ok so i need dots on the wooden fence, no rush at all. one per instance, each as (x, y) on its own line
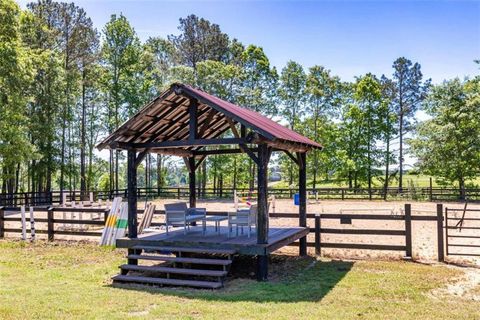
(462, 232)
(428, 193)
(404, 234)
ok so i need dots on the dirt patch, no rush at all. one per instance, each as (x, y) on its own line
(466, 287)
(424, 233)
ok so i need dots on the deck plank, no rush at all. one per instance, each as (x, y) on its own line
(278, 237)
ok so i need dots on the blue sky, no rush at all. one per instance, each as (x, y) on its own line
(348, 37)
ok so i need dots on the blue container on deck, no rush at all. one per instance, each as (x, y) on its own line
(296, 199)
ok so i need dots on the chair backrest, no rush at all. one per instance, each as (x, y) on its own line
(178, 206)
(175, 211)
(253, 211)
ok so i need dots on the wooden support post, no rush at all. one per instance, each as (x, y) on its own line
(317, 235)
(132, 194)
(440, 239)
(2, 222)
(302, 185)
(431, 189)
(262, 210)
(132, 261)
(192, 126)
(262, 214)
(262, 267)
(50, 224)
(408, 230)
(191, 182)
(105, 215)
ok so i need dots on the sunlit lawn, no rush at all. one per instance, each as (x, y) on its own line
(66, 280)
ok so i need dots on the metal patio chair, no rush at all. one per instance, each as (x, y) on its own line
(242, 218)
(178, 214)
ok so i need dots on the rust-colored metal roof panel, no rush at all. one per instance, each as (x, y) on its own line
(166, 118)
(274, 129)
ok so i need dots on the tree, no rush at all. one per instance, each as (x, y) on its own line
(368, 95)
(408, 91)
(323, 101)
(88, 58)
(47, 98)
(390, 118)
(447, 145)
(120, 54)
(199, 40)
(259, 82)
(16, 75)
(160, 56)
(293, 97)
(69, 34)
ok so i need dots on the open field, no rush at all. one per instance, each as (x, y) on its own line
(72, 280)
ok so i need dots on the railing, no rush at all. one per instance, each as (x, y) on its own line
(50, 220)
(431, 194)
(462, 232)
(404, 233)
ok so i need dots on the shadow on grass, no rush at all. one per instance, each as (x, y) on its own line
(291, 279)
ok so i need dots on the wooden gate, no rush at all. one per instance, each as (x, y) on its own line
(462, 232)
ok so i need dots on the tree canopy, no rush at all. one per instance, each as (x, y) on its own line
(64, 85)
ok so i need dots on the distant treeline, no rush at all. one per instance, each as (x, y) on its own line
(65, 84)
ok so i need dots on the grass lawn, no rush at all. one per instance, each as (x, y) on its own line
(71, 280)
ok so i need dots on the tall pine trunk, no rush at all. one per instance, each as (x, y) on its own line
(387, 168)
(400, 182)
(83, 176)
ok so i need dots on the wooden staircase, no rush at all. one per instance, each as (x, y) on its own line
(177, 266)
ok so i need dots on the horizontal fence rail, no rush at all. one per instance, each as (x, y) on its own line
(462, 232)
(405, 232)
(432, 194)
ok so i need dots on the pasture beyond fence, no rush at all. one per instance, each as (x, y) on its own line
(51, 223)
(426, 193)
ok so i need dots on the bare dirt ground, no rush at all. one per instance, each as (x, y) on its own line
(424, 233)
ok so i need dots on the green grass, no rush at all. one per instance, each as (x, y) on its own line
(68, 281)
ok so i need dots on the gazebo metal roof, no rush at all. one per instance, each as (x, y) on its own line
(163, 126)
(182, 121)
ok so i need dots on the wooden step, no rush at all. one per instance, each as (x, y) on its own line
(219, 262)
(186, 249)
(193, 272)
(171, 282)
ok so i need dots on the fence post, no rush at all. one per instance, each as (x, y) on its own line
(2, 222)
(408, 230)
(105, 216)
(343, 194)
(317, 234)
(50, 224)
(431, 190)
(178, 193)
(441, 253)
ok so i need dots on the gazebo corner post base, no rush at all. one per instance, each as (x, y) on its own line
(302, 186)
(262, 267)
(303, 247)
(130, 252)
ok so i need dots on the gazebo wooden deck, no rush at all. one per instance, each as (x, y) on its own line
(277, 237)
(193, 124)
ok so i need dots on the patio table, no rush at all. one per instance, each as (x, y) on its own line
(217, 220)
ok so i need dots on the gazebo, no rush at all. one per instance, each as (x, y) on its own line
(184, 121)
